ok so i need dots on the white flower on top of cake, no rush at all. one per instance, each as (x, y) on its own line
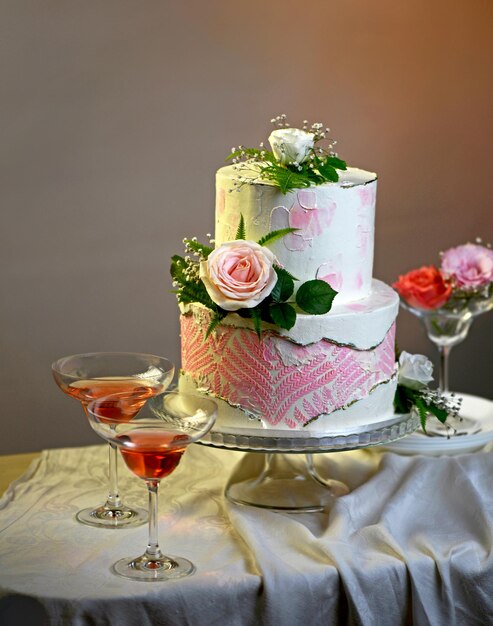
(415, 370)
(296, 159)
(291, 146)
(239, 274)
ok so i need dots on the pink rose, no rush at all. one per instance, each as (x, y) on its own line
(239, 274)
(469, 265)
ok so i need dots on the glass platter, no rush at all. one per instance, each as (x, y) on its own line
(278, 481)
(253, 440)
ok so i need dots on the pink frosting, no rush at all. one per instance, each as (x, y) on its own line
(364, 239)
(358, 281)
(280, 381)
(367, 196)
(220, 202)
(306, 216)
(330, 274)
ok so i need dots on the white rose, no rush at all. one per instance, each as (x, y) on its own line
(291, 145)
(239, 274)
(415, 370)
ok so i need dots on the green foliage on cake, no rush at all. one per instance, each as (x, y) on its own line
(242, 276)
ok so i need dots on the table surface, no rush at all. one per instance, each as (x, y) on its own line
(14, 465)
(411, 543)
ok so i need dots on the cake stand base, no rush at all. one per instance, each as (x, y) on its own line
(286, 478)
(288, 484)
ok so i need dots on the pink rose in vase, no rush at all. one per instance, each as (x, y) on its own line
(469, 265)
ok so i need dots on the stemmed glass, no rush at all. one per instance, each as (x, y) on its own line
(93, 375)
(446, 327)
(152, 443)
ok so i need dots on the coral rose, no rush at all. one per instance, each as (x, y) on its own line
(239, 274)
(470, 265)
(424, 288)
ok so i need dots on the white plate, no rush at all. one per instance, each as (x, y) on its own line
(475, 407)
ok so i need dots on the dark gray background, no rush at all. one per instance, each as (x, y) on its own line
(116, 114)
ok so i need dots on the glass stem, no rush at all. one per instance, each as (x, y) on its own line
(443, 380)
(113, 500)
(153, 551)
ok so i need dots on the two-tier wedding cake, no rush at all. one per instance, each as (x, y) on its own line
(281, 319)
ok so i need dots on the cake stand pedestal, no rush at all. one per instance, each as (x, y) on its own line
(286, 478)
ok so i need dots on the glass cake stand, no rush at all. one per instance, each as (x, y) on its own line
(283, 480)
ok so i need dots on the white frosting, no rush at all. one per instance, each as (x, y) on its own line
(361, 324)
(335, 223)
(375, 407)
(334, 242)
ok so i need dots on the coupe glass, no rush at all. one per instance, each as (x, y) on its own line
(446, 327)
(152, 443)
(93, 375)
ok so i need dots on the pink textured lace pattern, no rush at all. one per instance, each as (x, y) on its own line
(276, 379)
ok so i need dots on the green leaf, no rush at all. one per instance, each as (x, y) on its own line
(315, 177)
(218, 316)
(274, 235)
(401, 401)
(315, 297)
(255, 315)
(328, 172)
(422, 411)
(284, 287)
(178, 266)
(285, 271)
(283, 314)
(287, 179)
(337, 163)
(199, 248)
(195, 292)
(406, 398)
(240, 233)
(440, 414)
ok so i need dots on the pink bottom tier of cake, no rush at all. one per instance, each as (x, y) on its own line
(284, 385)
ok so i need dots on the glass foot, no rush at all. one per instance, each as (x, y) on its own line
(146, 569)
(287, 485)
(112, 517)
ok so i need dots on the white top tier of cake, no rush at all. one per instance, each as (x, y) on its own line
(335, 222)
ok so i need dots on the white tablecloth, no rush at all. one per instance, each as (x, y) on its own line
(411, 543)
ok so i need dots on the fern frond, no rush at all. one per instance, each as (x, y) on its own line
(274, 235)
(240, 233)
(213, 323)
(255, 315)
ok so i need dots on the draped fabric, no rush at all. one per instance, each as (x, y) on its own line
(410, 544)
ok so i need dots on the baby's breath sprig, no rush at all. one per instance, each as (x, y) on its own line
(185, 273)
(287, 166)
(427, 402)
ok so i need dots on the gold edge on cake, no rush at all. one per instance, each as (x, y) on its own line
(392, 379)
(249, 172)
(270, 330)
(335, 418)
(375, 314)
